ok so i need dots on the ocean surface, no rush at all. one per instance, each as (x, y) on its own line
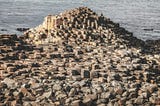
(142, 17)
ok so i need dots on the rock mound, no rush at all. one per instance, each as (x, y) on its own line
(83, 24)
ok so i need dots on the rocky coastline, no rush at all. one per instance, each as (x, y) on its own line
(78, 58)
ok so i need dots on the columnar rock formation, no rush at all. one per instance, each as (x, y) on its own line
(80, 59)
(80, 20)
(52, 22)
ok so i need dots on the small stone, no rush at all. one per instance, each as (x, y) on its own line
(117, 77)
(57, 87)
(92, 96)
(77, 78)
(24, 90)
(95, 74)
(86, 73)
(75, 72)
(77, 103)
(15, 93)
(9, 82)
(86, 90)
(61, 96)
(72, 92)
(26, 104)
(106, 95)
(87, 101)
(153, 88)
(139, 101)
(154, 100)
(57, 103)
(116, 104)
(11, 69)
(47, 94)
(101, 104)
(14, 103)
(99, 101)
(132, 90)
(122, 101)
(35, 65)
(110, 104)
(145, 94)
(133, 95)
(69, 100)
(52, 56)
(157, 101)
(119, 91)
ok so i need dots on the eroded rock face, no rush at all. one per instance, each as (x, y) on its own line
(86, 60)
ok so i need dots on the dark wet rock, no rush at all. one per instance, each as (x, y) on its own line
(75, 72)
(35, 65)
(3, 29)
(86, 74)
(22, 29)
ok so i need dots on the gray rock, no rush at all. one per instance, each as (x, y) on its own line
(61, 96)
(87, 101)
(72, 92)
(139, 101)
(106, 95)
(116, 104)
(86, 90)
(129, 103)
(133, 95)
(92, 96)
(100, 101)
(57, 87)
(145, 94)
(69, 100)
(110, 104)
(27, 104)
(47, 94)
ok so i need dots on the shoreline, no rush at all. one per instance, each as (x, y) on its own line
(86, 60)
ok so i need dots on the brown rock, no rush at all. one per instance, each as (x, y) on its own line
(11, 69)
(9, 82)
(92, 96)
(77, 103)
(157, 101)
(87, 101)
